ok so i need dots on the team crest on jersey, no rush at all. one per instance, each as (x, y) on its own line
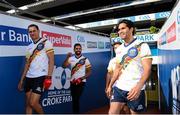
(132, 52)
(82, 61)
(40, 46)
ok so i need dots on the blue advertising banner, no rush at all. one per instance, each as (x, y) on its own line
(14, 36)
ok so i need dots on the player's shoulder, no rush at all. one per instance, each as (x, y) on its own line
(31, 45)
(45, 40)
(113, 60)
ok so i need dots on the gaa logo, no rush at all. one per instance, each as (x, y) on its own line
(60, 78)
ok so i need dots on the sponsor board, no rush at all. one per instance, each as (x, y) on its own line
(14, 36)
(147, 37)
(101, 45)
(171, 33)
(107, 45)
(58, 40)
(81, 39)
(91, 44)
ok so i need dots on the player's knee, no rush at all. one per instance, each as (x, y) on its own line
(33, 104)
(111, 111)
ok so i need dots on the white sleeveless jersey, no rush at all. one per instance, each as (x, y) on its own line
(39, 65)
(78, 66)
(130, 57)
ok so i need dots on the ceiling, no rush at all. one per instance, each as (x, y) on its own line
(63, 7)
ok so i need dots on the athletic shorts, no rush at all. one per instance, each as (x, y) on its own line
(34, 84)
(137, 105)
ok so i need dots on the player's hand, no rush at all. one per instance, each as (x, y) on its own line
(69, 54)
(78, 81)
(109, 92)
(20, 86)
(105, 89)
(134, 93)
(73, 81)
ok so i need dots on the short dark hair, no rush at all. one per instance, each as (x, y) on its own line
(33, 25)
(129, 24)
(77, 44)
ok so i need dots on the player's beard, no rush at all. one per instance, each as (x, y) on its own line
(78, 53)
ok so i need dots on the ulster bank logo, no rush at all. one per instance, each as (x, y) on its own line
(60, 78)
(14, 36)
